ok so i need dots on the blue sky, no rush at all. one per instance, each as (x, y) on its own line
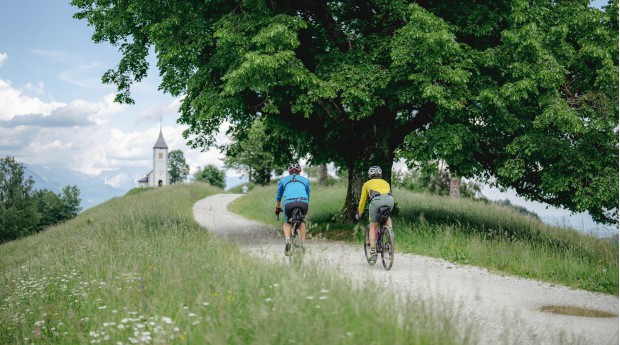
(54, 110)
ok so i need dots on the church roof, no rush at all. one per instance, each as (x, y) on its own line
(161, 143)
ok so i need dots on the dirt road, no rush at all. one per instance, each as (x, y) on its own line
(507, 309)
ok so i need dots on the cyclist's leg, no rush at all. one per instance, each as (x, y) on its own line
(389, 201)
(286, 228)
(372, 234)
(373, 217)
(302, 227)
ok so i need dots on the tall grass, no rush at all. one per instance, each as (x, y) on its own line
(467, 232)
(139, 270)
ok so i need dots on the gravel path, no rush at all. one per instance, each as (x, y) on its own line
(505, 308)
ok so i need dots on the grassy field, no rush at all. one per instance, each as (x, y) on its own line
(138, 270)
(466, 232)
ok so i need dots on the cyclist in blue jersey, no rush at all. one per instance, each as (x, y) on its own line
(293, 191)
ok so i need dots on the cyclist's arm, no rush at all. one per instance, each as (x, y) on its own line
(363, 199)
(280, 192)
(308, 190)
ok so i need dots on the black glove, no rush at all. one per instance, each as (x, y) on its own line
(278, 210)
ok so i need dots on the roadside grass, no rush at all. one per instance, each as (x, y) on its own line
(139, 270)
(464, 231)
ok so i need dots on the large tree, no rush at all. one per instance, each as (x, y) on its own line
(523, 93)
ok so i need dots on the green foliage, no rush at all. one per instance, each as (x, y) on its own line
(23, 210)
(211, 175)
(71, 199)
(18, 212)
(55, 208)
(521, 94)
(433, 181)
(178, 169)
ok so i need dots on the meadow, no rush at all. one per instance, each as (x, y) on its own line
(464, 231)
(139, 270)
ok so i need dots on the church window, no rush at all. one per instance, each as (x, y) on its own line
(161, 155)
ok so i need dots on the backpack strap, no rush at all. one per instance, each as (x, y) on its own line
(292, 180)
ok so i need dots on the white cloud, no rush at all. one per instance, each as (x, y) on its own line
(14, 102)
(39, 87)
(90, 137)
(3, 58)
(155, 113)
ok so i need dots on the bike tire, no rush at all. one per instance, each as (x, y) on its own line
(387, 248)
(295, 259)
(367, 246)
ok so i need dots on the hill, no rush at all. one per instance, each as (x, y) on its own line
(138, 269)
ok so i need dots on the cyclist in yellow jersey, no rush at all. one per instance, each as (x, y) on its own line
(379, 193)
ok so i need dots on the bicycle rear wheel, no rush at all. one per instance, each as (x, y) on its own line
(296, 257)
(387, 246)
(367, 246)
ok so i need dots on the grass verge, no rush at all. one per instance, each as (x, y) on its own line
(466, 232)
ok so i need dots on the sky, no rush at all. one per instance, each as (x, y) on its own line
(55, 111)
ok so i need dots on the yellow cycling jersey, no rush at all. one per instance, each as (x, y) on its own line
(372, 188)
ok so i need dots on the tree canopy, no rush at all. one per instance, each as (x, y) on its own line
(211, 175)
(24, 210)
(250, 154)
(178, 169)
(521, 93)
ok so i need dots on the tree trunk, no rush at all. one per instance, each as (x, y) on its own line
(323, 174)
(376, 149)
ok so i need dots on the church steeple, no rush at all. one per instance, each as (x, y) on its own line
(161, 143)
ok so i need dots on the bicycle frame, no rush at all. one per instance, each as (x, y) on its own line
(384, 240)
(297, 217)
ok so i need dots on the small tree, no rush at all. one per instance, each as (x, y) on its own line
(71, 201)
(247, 155)
(178, 168)
(50, 207)
(55, 208)
(18, 213)
(212, 175)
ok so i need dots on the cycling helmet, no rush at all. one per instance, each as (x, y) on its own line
(374, 171)
(294, 168)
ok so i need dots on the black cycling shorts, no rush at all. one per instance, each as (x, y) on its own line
(288, 208)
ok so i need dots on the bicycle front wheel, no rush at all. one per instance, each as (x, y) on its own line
(387, 246)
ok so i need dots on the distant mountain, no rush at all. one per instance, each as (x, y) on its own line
(123, 178)
(93, 189)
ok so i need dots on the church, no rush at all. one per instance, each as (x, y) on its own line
(158, 177)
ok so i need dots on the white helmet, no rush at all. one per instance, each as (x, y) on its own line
(374, 171)
(294, 168)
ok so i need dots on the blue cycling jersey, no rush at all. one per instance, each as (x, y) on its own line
(293, 187)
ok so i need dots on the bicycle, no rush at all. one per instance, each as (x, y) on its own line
(296, 251)
(384, 239)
